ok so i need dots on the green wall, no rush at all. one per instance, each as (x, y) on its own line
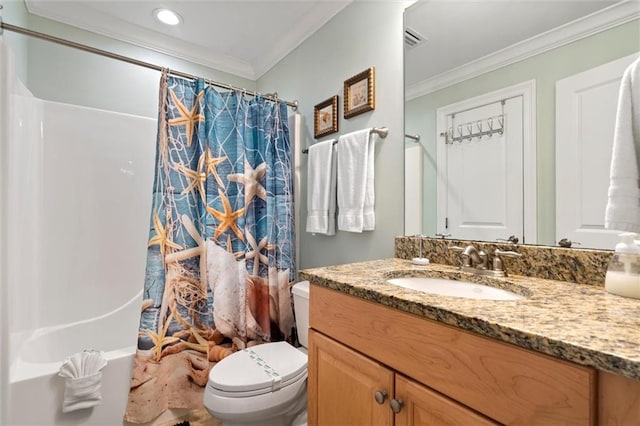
(363, 34)
(546, 69)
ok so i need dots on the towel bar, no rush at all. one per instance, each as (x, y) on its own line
(380, 131)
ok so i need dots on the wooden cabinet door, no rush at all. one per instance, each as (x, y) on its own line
(425, 407)
(618, 400)
(342, 386)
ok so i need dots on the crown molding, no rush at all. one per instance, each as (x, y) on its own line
(76, 15)
(594, 23)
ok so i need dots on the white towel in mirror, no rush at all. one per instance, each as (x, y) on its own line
(623, 205)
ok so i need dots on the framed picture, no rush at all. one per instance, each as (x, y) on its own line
(360, 93)
(325, 117)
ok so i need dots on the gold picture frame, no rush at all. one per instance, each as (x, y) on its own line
(360, 93)
(325, 117)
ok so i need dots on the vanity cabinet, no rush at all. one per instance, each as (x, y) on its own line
(443, 374)
(348, 388)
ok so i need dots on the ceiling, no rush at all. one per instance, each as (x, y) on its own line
(241, 37)
(248, 37)
(459, 32)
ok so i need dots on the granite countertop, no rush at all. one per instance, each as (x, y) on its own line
(576, 322)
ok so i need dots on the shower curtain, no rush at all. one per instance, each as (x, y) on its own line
(221, 250)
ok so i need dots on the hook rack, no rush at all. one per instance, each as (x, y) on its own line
(466, 131)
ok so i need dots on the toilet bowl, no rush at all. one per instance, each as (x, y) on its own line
(266, 384)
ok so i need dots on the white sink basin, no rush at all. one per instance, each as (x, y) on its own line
(452, 288)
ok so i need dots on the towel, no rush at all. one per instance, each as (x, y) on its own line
(623, 204)
(82, 374)
(321, 188)
(356, 195)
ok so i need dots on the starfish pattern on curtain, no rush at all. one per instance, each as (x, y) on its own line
(221, 245)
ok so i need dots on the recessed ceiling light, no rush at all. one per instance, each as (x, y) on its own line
(167, 16)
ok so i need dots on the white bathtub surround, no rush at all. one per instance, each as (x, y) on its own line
(48, 390)
(78, 242)
(34, 373)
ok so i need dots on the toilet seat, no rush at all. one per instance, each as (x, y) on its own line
(258, 370)
(264, 382)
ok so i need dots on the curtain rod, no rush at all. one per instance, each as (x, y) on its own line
(47, 37)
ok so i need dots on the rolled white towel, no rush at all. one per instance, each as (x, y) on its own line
(68, 369)
(82, 374)
(82, 392)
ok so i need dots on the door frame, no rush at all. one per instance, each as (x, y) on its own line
(527, 90)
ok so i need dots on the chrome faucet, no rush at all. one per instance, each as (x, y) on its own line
(472, 257)
(476, 261)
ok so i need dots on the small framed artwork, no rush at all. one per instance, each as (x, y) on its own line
(360, 93)
(325, 117)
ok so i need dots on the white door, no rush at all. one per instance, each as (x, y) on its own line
(413, 189)
(586, 106)
(480, 189)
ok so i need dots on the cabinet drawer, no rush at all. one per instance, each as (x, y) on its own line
(504, 382)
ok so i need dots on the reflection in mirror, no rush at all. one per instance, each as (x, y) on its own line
(515, 104)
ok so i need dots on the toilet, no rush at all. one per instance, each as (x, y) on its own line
(265, 384)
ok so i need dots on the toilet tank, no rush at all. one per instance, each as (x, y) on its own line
(301, 305)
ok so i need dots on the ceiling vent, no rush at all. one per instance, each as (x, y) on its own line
(412, 38)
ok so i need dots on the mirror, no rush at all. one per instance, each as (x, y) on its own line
(461, 55)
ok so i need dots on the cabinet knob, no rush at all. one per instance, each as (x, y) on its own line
(380, 396)
(396, 405)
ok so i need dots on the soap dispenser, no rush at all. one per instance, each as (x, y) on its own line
(623, 273)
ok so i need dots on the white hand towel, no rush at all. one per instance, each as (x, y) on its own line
(368, 211)
(82, 374)
(321, 188)
(82, 392)
(356, 182)
(623, 205)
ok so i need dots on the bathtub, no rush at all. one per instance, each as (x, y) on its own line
(36, 390)
(79, 191)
